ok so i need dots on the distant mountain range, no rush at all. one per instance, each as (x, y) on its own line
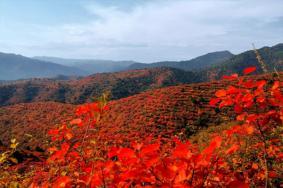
(13, 67)
(76, 90)
(215, 64)
(91, 66)
(198, 63)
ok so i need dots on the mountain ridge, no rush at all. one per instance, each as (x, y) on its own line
(91, 66)
(13, 67)
(271, 56)
(200, 62)
(78, 91)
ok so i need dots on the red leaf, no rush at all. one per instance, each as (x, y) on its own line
(137, 146)
(126, 153)
(231, 77)
(182, 151)
(215, 143)
(53, 132)
(272, 174)
(213, 102)
(249, 84)
(62, 182)
(227, 102)
(241, 117)
(113, 152)
(238, 109)
(249, 70)
(249, 129)
(76, 122)
(238, 184)
(255, 166)
(150, 149)
(275, 85)
(232, 149)
(232, 90)
(60, 154)
(260, 84)
(220, 93)
(217, 140)
(248, 98)
(96, 181)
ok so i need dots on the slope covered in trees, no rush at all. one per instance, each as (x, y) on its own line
(272, 57)
(120, 84)
(177, 110)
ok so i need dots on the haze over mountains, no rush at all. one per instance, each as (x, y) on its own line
(97, 66)
(13, 67)
(197, 63)
(91, 66)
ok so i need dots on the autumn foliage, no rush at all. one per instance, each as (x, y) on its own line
(247, 154)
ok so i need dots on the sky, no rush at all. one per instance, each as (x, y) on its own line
(139, 30)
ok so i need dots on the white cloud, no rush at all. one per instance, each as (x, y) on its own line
(165, 29)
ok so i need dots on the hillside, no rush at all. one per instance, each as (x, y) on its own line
(197, 63)
(158, 111)
(13, 67)
(90, 66)
(29, 123)
(176, 110)
(272, 57)
(120, 84)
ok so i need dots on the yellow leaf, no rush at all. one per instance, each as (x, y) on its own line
(13, 140)
(14, 160)
(14, 145)
(28, 135)
(93, 142)
(69, 136)
(3, 157)
(14, 184)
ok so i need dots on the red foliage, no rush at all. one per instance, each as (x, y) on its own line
(227, 161)
(249, 70)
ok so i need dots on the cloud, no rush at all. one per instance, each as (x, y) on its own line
(166, 30)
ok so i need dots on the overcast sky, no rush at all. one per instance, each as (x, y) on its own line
(140, 30)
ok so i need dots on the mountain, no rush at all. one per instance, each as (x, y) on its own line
(13, 67)
(272, 57)
(77, 91)
(91, 66)
(200, 62)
